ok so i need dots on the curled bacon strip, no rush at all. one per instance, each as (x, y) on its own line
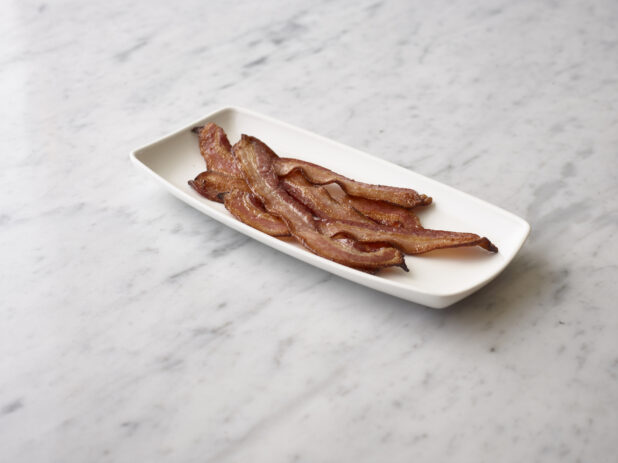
(224, 183)
(234, 193)
(319, 175)
(257, 164)
(216, 149)
(379, 211)
(248, 209)
(416, 241)
(319, 200)
(212, 184)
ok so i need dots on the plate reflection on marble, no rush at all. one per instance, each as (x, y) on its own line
(437, 279)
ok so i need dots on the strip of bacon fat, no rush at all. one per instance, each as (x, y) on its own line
(257, 164)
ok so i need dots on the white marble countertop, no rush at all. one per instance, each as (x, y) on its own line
(134, 328)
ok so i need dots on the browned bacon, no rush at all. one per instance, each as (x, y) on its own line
(410, 241)
(234, 193)
(319, 175)
(257, 164)
(360, 225)
(319, 200)
(212, 184)
(217, 152)
(247, 208)
(216, 149)
(379, 211)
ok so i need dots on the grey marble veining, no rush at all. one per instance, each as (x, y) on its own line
(136, 329)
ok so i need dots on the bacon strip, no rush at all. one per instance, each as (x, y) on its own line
(247, 208)
(417, 241)
(257, 164)
(234, 193)
(217, 152)
(379, 211)
(212, 184)
(216, 149)
(355, 224)
(319, 175)
(319, 200)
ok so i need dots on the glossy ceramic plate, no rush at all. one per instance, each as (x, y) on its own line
(437, 279)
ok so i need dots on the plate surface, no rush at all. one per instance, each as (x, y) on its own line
(437, 279)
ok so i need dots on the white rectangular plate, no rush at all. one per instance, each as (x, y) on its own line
(437, 279)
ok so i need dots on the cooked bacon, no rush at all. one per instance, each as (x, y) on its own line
(319, 200)
(248, 209)
(257, 164)
(338, 205)
(379, 211)
(234, 193)
(363, 226)
(216, 149)
(416, 241)
(217, 152)
(348, 242)
(319, 175)
(212, 185)
(334, 204)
